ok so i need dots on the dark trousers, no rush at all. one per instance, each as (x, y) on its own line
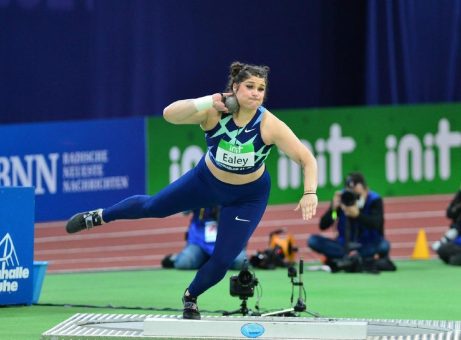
(335, 250)
(242, 207)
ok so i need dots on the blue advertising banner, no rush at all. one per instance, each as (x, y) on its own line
(74, 166)
(16, 245)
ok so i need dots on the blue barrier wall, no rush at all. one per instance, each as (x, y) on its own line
(16, 245)
(74, 166)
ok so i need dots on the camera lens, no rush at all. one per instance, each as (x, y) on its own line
(245, 278)
(292, 271)
(348, 198)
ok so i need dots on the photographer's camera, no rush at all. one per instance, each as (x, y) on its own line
(349, 198)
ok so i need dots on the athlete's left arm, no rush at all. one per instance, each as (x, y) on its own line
(274, 131)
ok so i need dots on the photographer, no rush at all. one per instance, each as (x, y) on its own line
(359, 214)
(201, 238)
(449, 246)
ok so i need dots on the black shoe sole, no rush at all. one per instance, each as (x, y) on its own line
(75, 224)
(191, 315)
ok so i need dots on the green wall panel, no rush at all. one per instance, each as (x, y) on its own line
(402, 150)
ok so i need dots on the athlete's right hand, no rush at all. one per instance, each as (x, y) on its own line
(218, 102)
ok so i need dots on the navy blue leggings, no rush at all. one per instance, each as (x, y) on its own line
(333, 249)
(242, 207)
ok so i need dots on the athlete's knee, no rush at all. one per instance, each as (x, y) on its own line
(220, 264)
(153, 208)
(138, 201)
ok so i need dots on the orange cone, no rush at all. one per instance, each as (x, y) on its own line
(421, 250)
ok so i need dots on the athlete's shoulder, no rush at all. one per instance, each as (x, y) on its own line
(271, 126)
(263, 110)
(265, 113)
(270, 120)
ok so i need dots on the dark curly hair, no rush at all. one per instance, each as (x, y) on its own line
(240, 72)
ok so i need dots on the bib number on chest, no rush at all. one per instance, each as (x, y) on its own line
(235, 156)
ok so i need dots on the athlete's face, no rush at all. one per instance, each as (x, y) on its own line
(250, 93)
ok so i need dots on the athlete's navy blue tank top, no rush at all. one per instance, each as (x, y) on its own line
(239, 150)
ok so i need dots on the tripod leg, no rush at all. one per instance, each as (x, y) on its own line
(237, 311)
(243, 310)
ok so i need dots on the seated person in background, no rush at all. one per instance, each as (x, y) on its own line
(449, 246)
(201, 238)
(360, 244)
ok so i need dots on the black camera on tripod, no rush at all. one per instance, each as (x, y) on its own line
(292, 272)
(349, 197)
(243, 285)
